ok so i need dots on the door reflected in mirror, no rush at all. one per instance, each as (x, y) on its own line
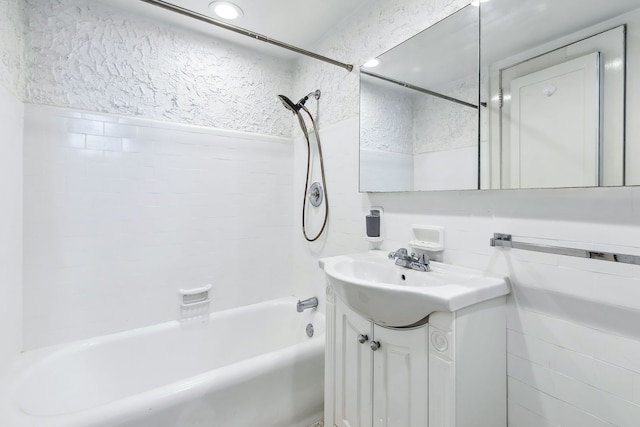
(419, 111)
(554, 84)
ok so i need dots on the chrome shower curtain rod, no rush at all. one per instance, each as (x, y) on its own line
(418, 89)
(191, 14)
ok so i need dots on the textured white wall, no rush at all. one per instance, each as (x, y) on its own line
(386, 117)
(440, 125)
(120, 213)
(439, 137)
(573, 347)
(400, 120)
(372, 30)
(11, 46)
(83, 54)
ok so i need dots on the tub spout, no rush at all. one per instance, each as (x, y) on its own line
(308, 303)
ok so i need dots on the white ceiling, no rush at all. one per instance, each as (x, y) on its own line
(301, 23)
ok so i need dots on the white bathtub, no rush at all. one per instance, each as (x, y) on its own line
(251, 366)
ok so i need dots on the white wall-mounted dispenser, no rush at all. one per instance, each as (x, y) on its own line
(373, 225)
(428, 238)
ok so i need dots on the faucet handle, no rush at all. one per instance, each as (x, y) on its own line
(422, 258)
(400, 253)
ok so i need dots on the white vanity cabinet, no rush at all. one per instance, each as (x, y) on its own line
(380, 374)
(352, 369)
(449, 372)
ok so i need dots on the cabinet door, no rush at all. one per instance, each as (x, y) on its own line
(353, 365)
(400, 378)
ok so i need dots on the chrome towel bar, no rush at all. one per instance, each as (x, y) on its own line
(505, 241)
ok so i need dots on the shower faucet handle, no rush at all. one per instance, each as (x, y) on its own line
(422, 258)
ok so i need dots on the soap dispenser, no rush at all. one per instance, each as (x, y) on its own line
(373, 225)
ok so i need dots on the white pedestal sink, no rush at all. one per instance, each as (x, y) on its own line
(394, 296)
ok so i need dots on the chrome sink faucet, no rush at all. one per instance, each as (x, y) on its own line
(308, 303)
(413, 261)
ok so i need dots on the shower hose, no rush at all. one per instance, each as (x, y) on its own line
(306, 186)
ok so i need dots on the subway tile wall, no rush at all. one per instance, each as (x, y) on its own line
(573, 341)
(11, 113)
(120, 213)
(572, 327)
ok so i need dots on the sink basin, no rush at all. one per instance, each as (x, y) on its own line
(390, 295)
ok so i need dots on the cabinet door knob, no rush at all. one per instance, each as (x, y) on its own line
(374, 345)
(362, 338)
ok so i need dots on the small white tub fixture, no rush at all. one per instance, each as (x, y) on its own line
(249, 366)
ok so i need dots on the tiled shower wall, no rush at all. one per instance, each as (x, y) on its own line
(11, 113)
(573, 341)
(123, 210)
(121, 213)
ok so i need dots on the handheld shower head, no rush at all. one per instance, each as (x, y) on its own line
(294, 108)
(288, 104)
(315, 196)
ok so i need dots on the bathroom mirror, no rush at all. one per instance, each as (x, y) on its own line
(419, 118)
(558, 79)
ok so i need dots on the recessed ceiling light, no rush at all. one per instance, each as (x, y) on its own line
(477, 2)
(225, 10)
(374, 62)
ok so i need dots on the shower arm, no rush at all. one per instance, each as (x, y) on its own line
(194, 15)
(316, 95)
